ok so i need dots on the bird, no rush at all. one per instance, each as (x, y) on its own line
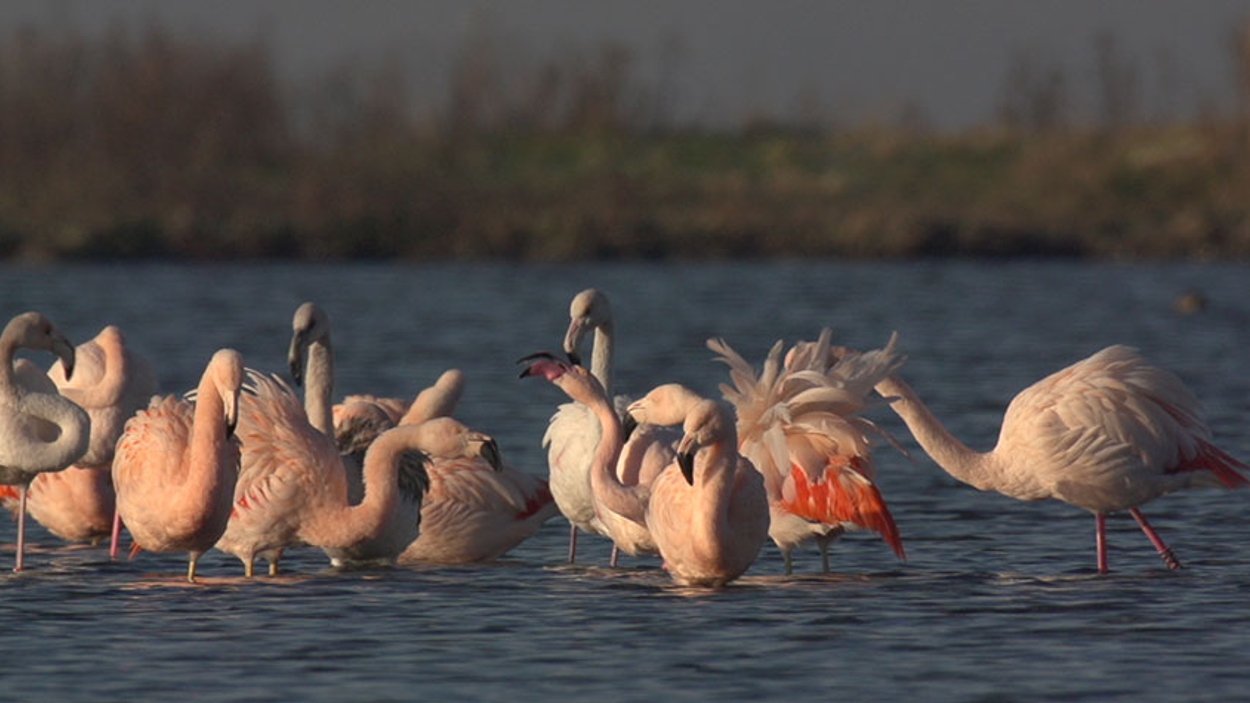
(574, 431)
(111, 381)
(40, 430)
(709, 512)
(477, 507)
(1108, 433)
(177, 462)
(719, 551)
(293, 484)
(798, 422)
(310, 357)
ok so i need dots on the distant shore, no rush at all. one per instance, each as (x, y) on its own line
(163, 148)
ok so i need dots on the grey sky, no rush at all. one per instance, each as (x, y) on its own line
(863, 60)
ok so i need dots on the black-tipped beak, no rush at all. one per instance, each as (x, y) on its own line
(536, 356)
(295, 358)
(65, 351)
(628, 425)
(685, 461)
(490, 452)
(574, 358)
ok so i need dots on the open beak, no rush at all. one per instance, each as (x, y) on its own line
(543, 364)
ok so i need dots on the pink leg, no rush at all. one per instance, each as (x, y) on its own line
(21, 530)
(115, 540)
(572, 543)
(1100, 539)
(1164, 551)
(616, 553)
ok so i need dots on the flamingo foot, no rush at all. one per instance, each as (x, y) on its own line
(1165, 552)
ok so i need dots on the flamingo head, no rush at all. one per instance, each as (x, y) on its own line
(588, 311)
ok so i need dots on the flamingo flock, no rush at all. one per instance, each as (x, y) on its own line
(244, 465)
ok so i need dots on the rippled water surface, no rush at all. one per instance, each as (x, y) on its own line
(997, 601)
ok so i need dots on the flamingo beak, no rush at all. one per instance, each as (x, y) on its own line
(295, 355)
(628, 424)
(685, 462)
(63, 349)
(490, 452)
(232, 413)
(543, 364)
(573, 339)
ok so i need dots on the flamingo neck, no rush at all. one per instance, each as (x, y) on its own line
(628, 501)
(601, 356)
(319, 386)
(340, 525)
(956, 458)
(208, 467)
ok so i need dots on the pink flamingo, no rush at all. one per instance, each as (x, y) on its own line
(573, 435)
(111, 382)
(709, 518)
(477, 507)
(177, 462)
(310, 357)
(798, 423)
(709, 531)
(40, 430)
(1108, 433)
(293, 485)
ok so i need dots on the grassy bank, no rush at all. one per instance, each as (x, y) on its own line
(150, 147)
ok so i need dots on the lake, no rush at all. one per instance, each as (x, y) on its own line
(997, 601)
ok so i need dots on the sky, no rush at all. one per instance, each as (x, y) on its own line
(859, 61)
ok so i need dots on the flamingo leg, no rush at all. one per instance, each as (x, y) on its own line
(1100, 540)
(191, 567)
(572, 542)
(21, 530)
(616, 554)
(116, 536)
(789, 562)
(824, 557)
(1165, 552)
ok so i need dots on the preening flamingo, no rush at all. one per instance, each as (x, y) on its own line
(1108, 433)
(177, 462)
(478, 507)
(293, 485)
(310, 357)
(40, 430)
(709, 514)
(111, 382)
(798, 422)
(574, 432)
(722, 492)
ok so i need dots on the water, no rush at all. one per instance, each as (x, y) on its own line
(996, 602)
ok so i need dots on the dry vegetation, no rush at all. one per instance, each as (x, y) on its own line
(155, 145)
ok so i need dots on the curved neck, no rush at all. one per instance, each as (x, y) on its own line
(207, 468)
(955, 457)
(340, 525)
(601, 357)
(72, 432)
(319, 386)
(628, 501)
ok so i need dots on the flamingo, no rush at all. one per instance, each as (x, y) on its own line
(177, 463)
(797, 422)
(574, 432)
(40, 430)
(293, 485)
(111, 382)
(1108, 433)
(708, 532)
(478, 507)
(310, 357)
(709, 515)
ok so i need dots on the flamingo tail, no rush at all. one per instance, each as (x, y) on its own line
(844, 497)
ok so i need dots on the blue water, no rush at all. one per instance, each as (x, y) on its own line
(997, 601)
